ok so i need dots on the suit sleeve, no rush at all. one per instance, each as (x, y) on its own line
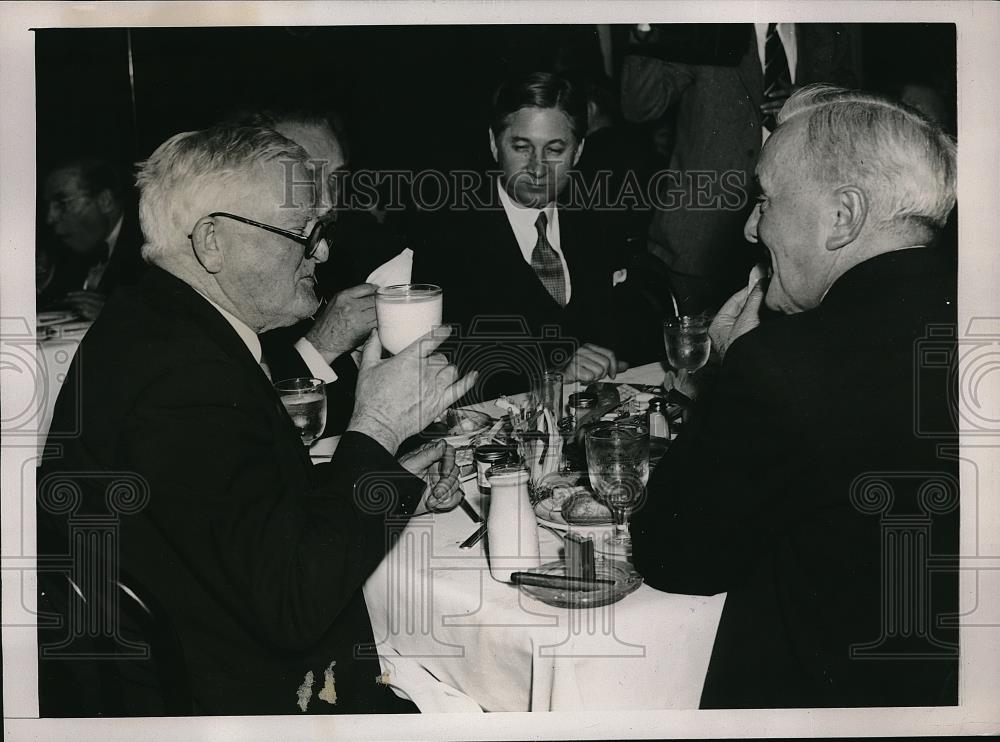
(711, 503)
(234, 497)
(650, 86)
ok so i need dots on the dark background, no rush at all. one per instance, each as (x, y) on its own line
(414, 97)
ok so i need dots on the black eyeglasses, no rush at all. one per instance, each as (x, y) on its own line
(321, 231)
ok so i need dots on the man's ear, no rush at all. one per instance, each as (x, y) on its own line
(493, 145)
(206, 247)
(105, 201)
(850, 212)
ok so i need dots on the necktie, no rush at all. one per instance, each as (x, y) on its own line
(547, 265)
(97, 262)
(776, 74)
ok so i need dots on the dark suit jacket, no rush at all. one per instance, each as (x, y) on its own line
(718, 132)
(509, 325)
(258, 555)
(775, 495)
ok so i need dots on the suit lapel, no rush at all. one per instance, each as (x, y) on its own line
(179, 297)
(508, 260)
(226, 337)
(748, 69)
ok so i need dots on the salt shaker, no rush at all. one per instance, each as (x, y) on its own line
(657, 414)
(510, 525)
(659, 430)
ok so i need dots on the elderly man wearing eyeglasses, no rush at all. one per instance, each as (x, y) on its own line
(256, 555)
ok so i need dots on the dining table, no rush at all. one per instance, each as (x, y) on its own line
(55, 347)
(452, 638)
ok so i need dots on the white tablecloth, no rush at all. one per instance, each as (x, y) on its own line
(436, 606)
(53, 356)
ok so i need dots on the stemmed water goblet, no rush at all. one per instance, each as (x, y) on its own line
(618, 465)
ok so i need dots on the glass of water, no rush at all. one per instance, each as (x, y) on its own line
(305, 402)
(687, 341)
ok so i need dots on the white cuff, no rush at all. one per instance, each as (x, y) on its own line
(318, 366)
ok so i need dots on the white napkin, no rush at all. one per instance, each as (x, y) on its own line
(394, 272)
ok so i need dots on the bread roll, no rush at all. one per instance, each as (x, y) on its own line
(583, 507)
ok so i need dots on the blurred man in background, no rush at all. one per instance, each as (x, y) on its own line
(98, 240)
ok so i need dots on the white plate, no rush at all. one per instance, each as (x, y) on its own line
(437, 429)
(550, 516)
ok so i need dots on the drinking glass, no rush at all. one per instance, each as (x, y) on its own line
(406, 312)
(547, 391)
(618, 464)
(687, 341)
(305, 402)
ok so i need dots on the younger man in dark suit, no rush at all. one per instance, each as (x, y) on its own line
(520, 270)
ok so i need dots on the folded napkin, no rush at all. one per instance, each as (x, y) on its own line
(394, 272)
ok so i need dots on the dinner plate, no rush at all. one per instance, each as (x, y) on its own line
(549, 515)
(46, 319)
(626, 581)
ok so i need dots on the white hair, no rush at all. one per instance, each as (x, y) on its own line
(905, 162)
(193, 173)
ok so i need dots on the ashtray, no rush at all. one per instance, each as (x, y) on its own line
(625, 580)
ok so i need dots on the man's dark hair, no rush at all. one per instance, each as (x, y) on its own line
(96, 173)
(539, 90)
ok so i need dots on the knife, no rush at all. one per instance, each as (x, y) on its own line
(470, 511)
(474, 538)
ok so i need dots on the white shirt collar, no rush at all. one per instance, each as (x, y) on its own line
(247, 335)
(522, 220)
(112, 238)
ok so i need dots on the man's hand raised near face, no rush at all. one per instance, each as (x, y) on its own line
(344, 322)
(739, 315)
(402, 395)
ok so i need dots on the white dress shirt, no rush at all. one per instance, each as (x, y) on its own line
(522, 221)
(318, 367)
(96, 271)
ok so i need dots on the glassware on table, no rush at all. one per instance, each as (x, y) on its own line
(547, 391)
(618, 464)
(305, 401)
(406, 312)
(687, 342)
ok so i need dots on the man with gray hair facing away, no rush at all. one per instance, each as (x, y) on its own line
(257, 556)
(816, 487)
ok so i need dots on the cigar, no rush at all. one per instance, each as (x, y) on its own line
(559, 582)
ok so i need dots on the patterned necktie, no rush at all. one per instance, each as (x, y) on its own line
(776, 74)
(546, 263)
